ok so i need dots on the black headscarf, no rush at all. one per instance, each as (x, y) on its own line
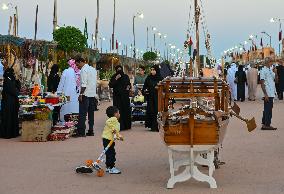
(54, 69)
(240, 68)
(9, 73)
(158, 73)
(119, 71)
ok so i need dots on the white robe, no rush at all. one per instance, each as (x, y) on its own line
(67, 85)
(231, 78)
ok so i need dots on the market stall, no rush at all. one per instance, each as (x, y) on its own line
(37, 121)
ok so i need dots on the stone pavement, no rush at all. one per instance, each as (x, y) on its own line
(254, 162)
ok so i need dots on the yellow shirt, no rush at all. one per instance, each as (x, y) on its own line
(139, 99)
(111, 124)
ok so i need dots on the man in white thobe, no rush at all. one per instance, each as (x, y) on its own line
(67, 85)
(252, 78)
(231, 80)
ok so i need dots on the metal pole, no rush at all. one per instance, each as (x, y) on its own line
(197, 14)
(147, 38)
(280, 31)
(113, 25)
(154, 41)
(97, 24)
(134, 44)
(101, 45)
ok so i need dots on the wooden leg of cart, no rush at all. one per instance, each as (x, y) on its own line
(191, 170)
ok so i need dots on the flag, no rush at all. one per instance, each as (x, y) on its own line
(280, 35)
(36, 22)
(261, 43)
(190, 43)
(116, 45)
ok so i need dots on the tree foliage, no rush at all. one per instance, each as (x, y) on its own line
(150, 56)
(70, 39)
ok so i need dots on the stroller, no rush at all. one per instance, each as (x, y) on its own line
(138, 106)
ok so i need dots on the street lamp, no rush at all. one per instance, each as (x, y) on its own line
(9, 6)
(6, 6)
(141, 16)
(268, 36)
(273, 20)
(102, 39)
(154, 32)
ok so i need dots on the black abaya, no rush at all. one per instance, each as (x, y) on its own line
(10, 106)
(121, 99)
(151, 94)
(241, 84)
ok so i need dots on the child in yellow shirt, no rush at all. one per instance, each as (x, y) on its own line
(112, 126)
(139, 99)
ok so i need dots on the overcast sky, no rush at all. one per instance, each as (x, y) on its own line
(230, 22)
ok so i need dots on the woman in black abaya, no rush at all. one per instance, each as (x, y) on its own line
(241, 80)
(120, 83)
(10, 105)
(52, 85)
(151, 94)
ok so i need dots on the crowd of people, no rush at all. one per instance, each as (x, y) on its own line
(79, 83)
(243, 81)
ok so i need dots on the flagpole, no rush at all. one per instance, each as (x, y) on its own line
(113, 24)
(36, 23)
(197, 14)
(97, 23)
(55, 16)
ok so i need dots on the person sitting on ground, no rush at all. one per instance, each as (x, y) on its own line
(139, 98)
(112, 125)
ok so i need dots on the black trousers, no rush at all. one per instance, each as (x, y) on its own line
(86, 106)
(110, 154)
(267, 113)
(279, 91)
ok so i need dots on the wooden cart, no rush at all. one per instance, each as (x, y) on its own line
(197, 128)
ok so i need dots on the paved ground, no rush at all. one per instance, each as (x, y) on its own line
(254, 162)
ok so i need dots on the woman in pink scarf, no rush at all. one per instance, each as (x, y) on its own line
(69, 85)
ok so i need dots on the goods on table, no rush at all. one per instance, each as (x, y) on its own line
(62, 132)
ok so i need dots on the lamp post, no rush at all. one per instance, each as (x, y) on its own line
(268, 36)
(7, 7)
(154, 29)
(273, 20)
(101, 39)
(113, 25)
(139, 15)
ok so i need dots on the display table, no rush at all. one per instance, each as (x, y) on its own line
(193, 158)
(53, 105)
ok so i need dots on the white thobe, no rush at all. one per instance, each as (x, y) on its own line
(231, 80)
(67, 85)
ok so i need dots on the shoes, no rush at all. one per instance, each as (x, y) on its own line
(113, 170)
(84, 170)
(90, 133)
(78, 135)
(268, 128)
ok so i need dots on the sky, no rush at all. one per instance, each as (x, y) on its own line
(229, 22)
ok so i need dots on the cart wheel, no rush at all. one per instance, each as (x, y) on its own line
(100, 173)
(89, 163)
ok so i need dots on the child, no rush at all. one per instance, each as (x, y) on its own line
(112, 126)
(139, 99)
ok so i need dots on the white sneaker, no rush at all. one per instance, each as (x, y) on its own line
(114, 171)
(107, 169)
